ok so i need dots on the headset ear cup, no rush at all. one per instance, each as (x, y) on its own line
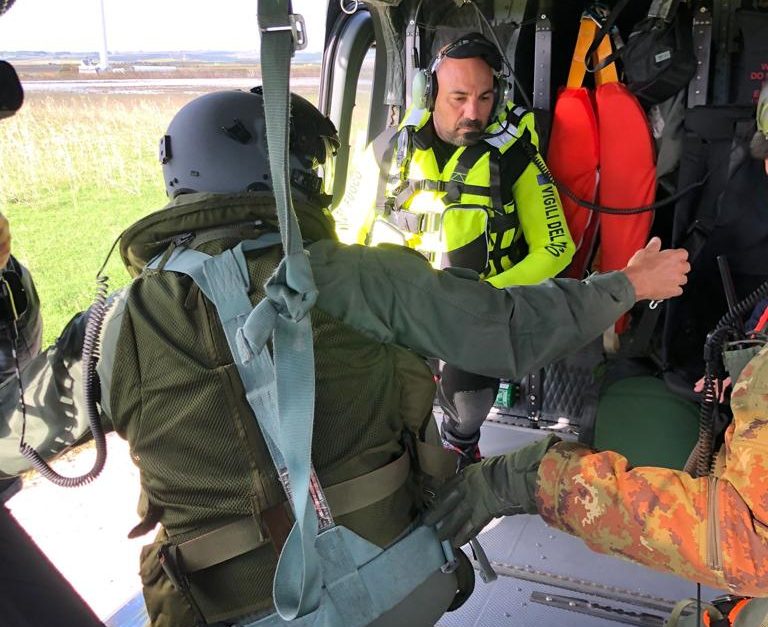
(499, 91)
(431, 91)
(420, 89)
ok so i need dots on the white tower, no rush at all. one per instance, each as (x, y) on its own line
(103, 60)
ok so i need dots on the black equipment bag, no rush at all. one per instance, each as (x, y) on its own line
(658, 57)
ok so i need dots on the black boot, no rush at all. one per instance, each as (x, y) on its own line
(466, 446)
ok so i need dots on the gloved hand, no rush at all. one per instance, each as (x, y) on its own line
(497, 486)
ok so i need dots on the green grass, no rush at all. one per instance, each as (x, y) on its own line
(64, 240)
(74, 172)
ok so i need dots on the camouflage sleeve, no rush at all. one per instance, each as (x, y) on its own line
(712, 529)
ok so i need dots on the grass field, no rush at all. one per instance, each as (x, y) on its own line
(75, 171)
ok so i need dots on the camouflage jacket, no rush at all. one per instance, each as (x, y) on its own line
(713, 530)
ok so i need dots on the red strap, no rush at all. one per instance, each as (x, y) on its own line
(762, 322)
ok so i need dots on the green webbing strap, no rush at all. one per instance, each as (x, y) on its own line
(245, 535)
(290, 294)
(355, 494)
(684, 604)
(222, 544)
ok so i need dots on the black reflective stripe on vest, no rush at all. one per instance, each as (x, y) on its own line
(513, 163)
(467, 160)
(507, 167)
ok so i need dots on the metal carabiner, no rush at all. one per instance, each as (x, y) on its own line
(355, 5)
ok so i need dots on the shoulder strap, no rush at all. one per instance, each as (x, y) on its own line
(383, 146)
(702, 44)
(512, 164)
(268, 385)
(290, 294)
(511, 12)
(663, 9)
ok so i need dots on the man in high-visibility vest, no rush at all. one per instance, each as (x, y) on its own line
(459, 182)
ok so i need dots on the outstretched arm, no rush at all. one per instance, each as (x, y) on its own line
(394, 296)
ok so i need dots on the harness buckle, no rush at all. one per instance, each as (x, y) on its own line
(453, 190)
(295, 24)
(451, 563)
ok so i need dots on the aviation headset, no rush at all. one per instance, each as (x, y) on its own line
(424, 86)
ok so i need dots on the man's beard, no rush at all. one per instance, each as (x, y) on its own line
(472, 136)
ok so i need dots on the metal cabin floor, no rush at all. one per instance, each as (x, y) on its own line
(579, 579)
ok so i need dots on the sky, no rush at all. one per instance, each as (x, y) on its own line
(145, 25)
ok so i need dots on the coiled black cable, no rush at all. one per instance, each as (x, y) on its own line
(536, 159)
(91, 395)
(727, 328)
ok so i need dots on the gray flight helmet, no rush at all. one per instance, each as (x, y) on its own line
(217, 143)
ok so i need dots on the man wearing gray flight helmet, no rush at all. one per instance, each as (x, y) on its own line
(170, 381)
